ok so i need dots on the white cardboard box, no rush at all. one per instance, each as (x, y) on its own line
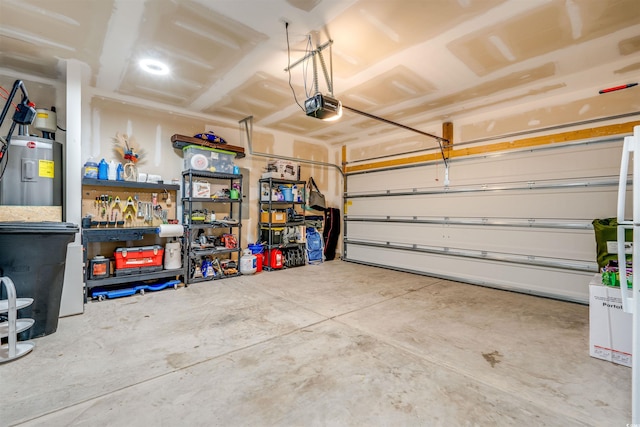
(200, 190)
(609, 326)
(267, 193)
(282, 169)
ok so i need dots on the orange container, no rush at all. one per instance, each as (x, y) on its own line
(277, 217)
(99, 268)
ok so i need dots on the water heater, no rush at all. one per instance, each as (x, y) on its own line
(33, 174)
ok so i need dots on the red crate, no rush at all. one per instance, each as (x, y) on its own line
(143, 256)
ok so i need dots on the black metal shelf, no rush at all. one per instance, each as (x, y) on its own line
(195, 252)
(116, 280)
(116, 234)
(202, 225)
(283, 267)
(212, 175)
(267, 185)
(191, 253)
(210, 200)
(130, 184)
(281, 224)
(280, 181)
(280, 204)
(284, 245)
(210, 279)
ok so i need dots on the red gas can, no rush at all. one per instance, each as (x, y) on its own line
(259, 258)
(274, 258)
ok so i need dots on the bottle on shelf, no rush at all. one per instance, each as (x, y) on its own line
(119, 172)
(103, 169)
(91, 169)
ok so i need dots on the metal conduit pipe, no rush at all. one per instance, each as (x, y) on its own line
(248, 127)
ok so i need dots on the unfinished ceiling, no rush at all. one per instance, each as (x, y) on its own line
(418, 62)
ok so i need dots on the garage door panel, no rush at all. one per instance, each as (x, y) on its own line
(538, 242)
(572, 163)
(583, 203)
(566, 284)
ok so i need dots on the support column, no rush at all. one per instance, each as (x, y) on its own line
(72, 301)
(73, 154)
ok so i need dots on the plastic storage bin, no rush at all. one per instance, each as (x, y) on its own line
(208, 159)
(33, 256)
(99, 268)
(276, 235)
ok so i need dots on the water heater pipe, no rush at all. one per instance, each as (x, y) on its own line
(24, 115)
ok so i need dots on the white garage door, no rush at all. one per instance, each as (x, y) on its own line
(519, 220)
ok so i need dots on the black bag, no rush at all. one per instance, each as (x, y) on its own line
(316, 198)
(331, 232)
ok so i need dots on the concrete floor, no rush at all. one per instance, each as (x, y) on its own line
(331, 344)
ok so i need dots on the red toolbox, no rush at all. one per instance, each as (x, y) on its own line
(138, 259)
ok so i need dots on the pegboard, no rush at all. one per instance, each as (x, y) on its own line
(122, 207)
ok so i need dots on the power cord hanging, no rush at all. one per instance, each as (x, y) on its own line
(286, 28)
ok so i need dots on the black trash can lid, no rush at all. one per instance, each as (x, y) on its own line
(45, 227)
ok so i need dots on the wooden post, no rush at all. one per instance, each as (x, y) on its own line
(447, 133)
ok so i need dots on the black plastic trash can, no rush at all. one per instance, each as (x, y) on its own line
(33, 255)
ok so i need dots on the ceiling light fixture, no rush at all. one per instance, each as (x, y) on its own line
(154, 66)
